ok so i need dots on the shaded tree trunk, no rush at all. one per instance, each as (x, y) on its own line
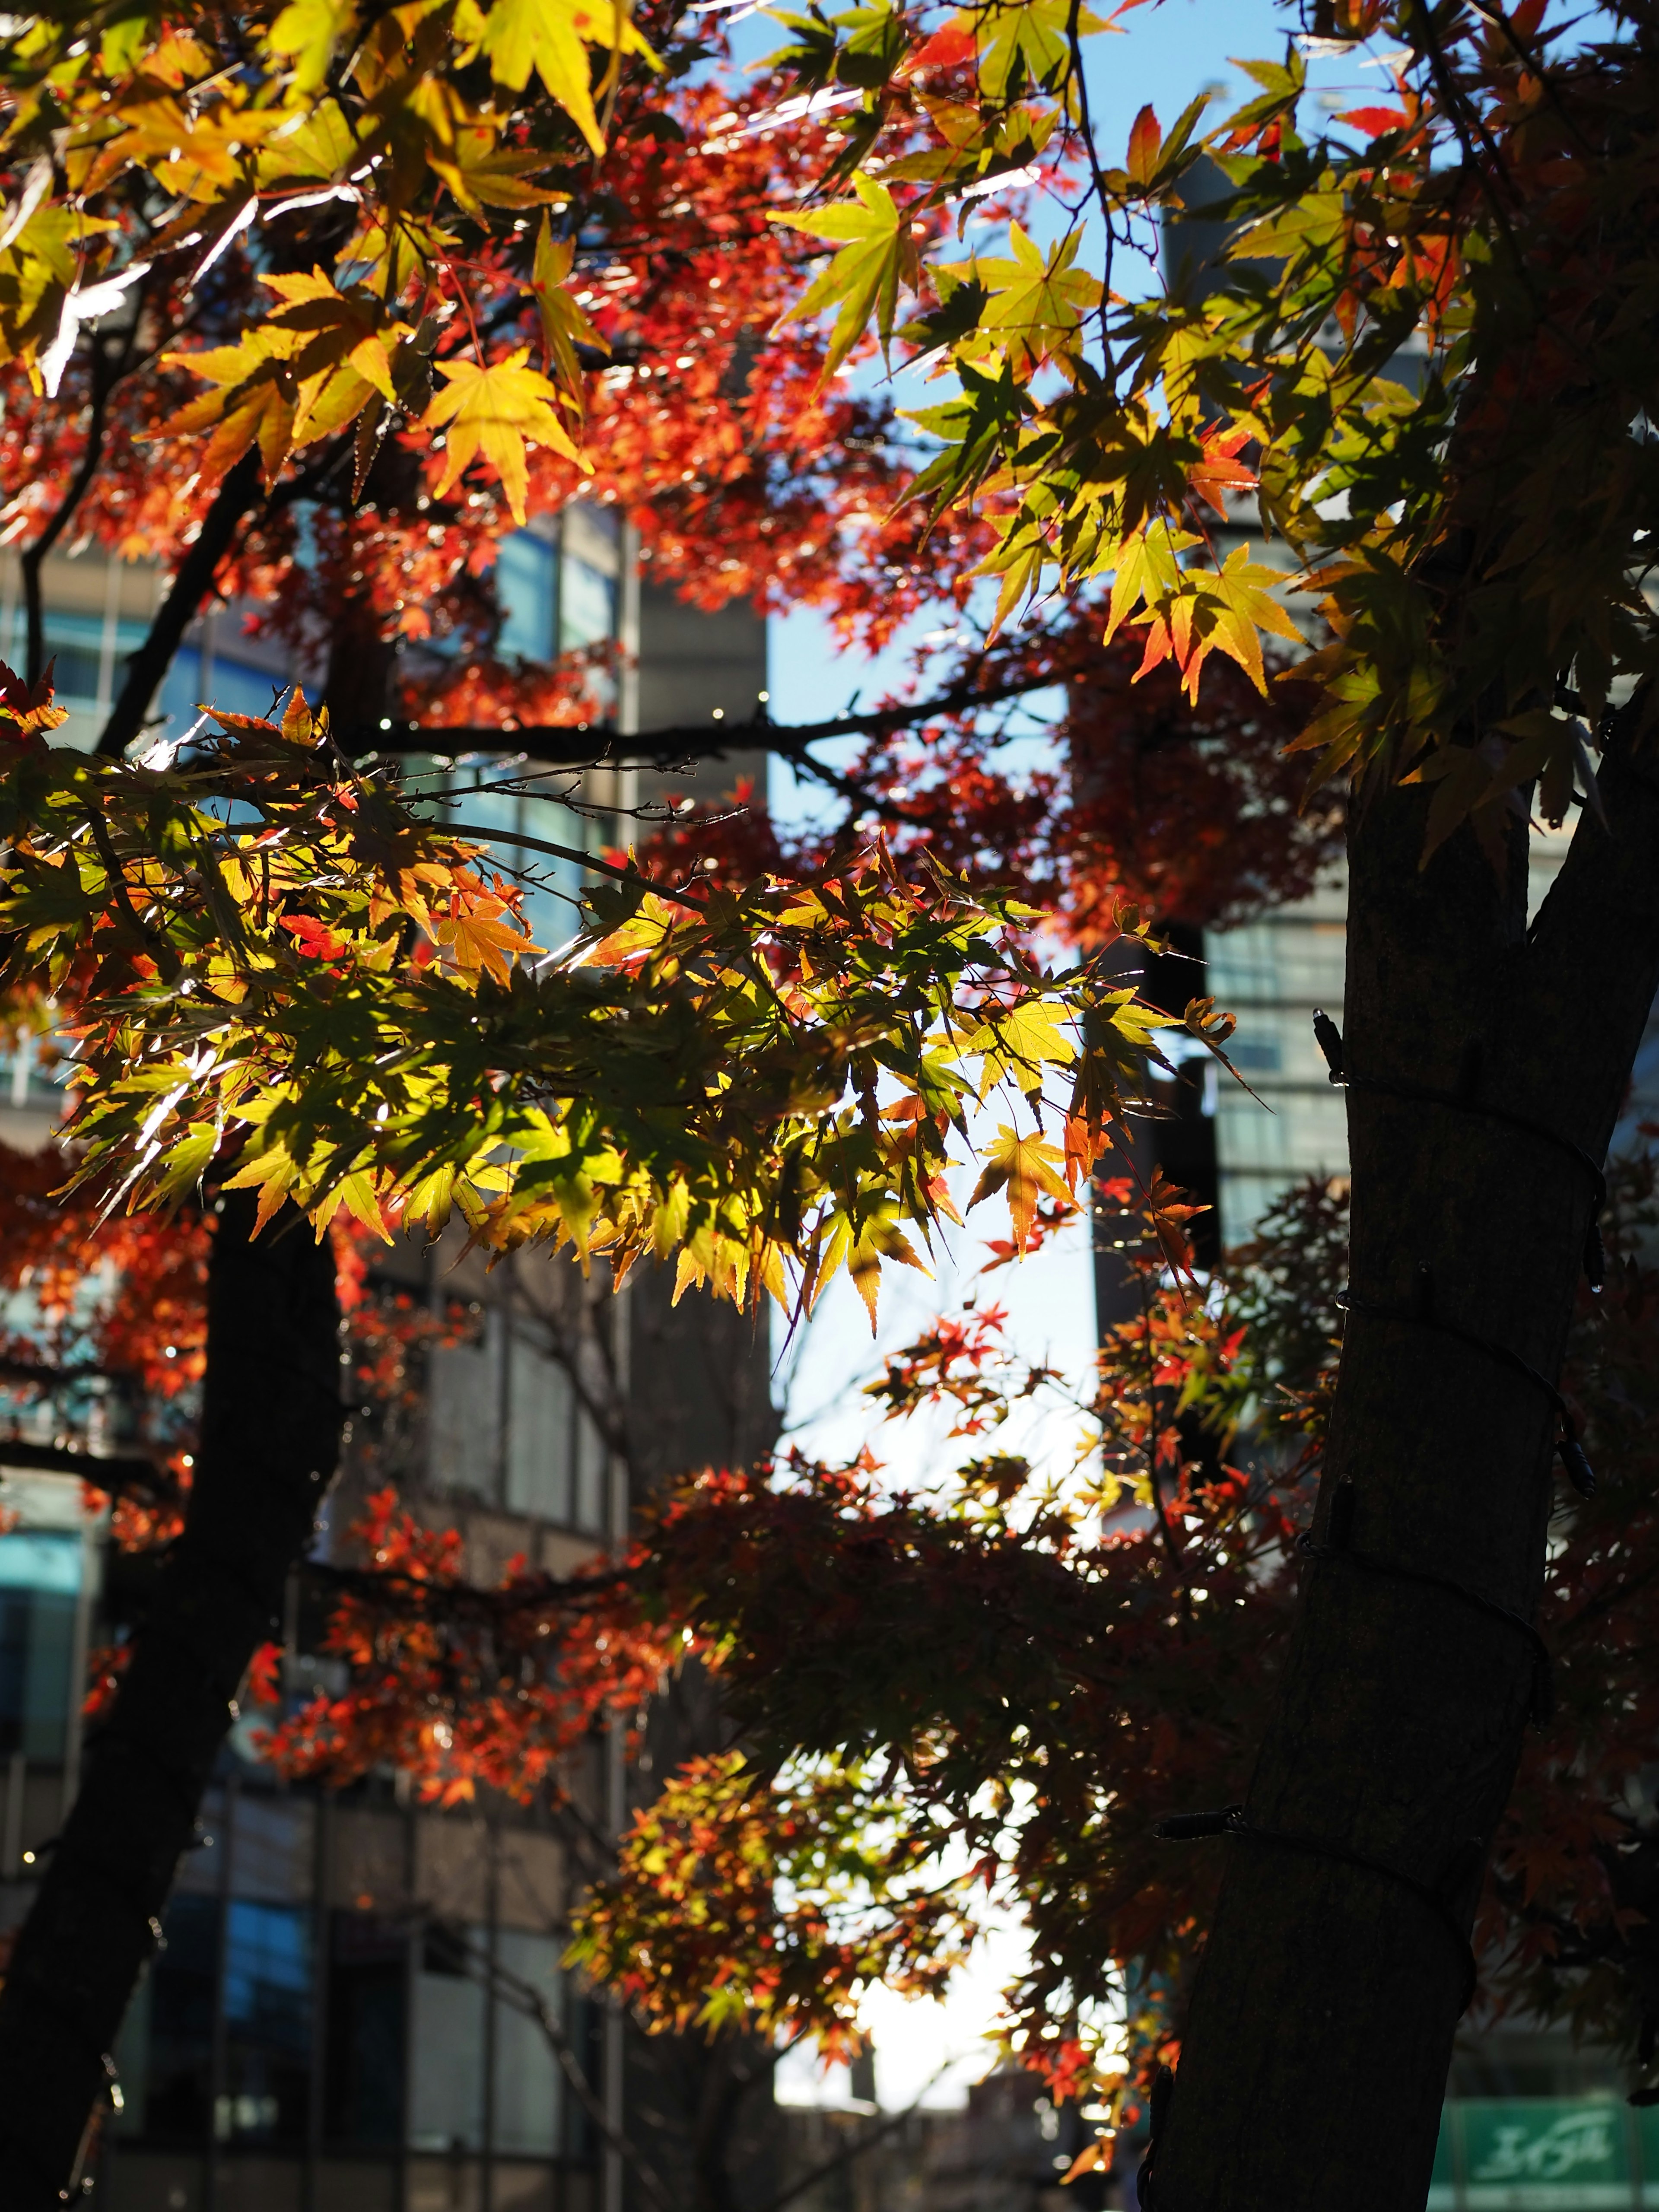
(1314, 2065)
(268, 1441)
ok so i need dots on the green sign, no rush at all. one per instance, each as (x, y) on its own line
(1540, 2154)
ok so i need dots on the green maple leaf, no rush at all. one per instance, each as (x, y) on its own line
(877, 255)
(1036, 302)
(974, 428)
(1035, 34)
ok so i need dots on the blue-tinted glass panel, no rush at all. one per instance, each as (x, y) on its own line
(75, 644)
(273, 1847)
(524, 592)
(240, 689)
(39, 1577)
(527, 2084)
(267, 2008)
(181, 692)
(464, 1412)
(593, 1471)
(447, 2047)
(39, 1559)
(539, 1431)
(587, 604)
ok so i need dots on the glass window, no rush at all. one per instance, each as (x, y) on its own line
(39, 1579)
(527, 2080)
(75, 645)
(240, 689)
(182, 691)
(363, 2080)
(267, 2011)
(524, 592)
(271, 1847)
(464, 1409)
(480, 808)
(165, 2055)
(42, 1560)
(75, 663)
(587, 604)
(538, 1435)
(591, 1473)
(446, 2045)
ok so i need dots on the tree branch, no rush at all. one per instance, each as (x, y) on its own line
(563, 746)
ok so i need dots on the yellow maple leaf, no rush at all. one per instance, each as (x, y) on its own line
(1020, 1041)
(492, 412)
(273, 1174)
(357, 1193)
(564, 326)
(481, 933)
(1025, 1167)
(551, 37)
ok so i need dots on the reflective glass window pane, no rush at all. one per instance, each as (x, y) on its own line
(465, 1410)
(523, 591)
(591, 1472)
(527, 2080)
(39, 1577)
(587, 604)
(267, 2011)
(182, 691)
(241, 690)
(538, 1435)
(272, 1847)
(446, 2045)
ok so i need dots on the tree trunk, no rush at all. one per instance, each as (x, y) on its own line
(269, 1440)
(1314, 2065)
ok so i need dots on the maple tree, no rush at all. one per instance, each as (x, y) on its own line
(390, 182)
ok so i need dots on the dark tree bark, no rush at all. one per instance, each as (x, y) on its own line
(1314, 2065)
(270, 1434)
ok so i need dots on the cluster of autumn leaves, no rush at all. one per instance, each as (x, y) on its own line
(699, 1076)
